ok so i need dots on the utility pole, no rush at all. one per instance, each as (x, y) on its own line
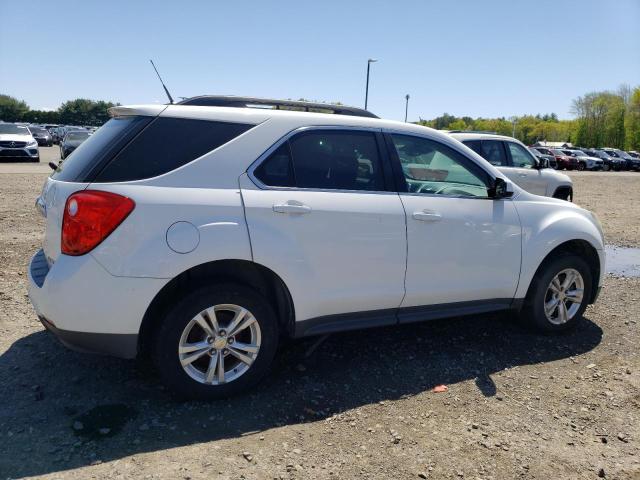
(406, 107)
(366, 92)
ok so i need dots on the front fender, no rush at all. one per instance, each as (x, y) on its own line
(545, 227)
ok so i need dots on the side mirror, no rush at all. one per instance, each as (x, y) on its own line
(542, 163)
(500, 189)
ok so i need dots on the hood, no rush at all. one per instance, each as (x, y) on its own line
(12, 137)
(585, 157)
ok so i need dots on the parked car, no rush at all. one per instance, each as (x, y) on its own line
(72, 140)
(42, 136)
(565, 161)
(57, 134)
(608, 163)
(630, 163)
(16, 142)
(515, 161)
(585, 162)
(546, 158)
(202, 236)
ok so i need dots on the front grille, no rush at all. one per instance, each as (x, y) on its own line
(39, 268)
(12, 144)
(13, 153)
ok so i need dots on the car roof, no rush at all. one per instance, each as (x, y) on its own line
(258, 115)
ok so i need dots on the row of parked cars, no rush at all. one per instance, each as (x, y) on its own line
(588, 158)
(20, 141)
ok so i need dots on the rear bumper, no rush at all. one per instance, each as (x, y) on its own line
(87, 308)
(112, 344)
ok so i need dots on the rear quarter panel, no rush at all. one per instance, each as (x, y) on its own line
(139, 248)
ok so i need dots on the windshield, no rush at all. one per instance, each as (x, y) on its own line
(10, 128)
(37, 130)
(580, 153)
(622, 154)
(558, 152)
(77, 135)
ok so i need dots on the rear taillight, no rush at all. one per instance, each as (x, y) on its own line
(89, 217)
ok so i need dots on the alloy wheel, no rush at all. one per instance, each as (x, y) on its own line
(564, 296)
(219, 344)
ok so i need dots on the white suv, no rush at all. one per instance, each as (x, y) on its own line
(201, 235)
(512, 158)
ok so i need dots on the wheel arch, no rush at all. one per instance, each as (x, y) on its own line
(244, 272)
(563, 192)
(585, 250)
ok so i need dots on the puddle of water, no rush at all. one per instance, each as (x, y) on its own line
(103, 420)
(623, 261)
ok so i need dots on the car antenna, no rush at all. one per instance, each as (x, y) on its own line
(163, 85)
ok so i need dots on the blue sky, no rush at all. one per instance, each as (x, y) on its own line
(478, 58)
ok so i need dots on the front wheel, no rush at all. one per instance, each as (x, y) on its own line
(216, 342)
(581, 167)
(559, 294)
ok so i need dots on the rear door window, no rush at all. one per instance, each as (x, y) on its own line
(493, 151)
(277, 169)
(166, 144)
(337, 160)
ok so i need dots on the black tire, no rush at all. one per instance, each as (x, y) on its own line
(166, 341)
(582, 167)
(606, 168)
(533, 309)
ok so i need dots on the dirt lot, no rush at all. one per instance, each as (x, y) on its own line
(518, 405)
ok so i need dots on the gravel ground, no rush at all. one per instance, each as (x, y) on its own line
(518, 405)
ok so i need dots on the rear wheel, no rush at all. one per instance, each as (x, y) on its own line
(558, 294)
(216, 342)
(606, 168)
(582, 167)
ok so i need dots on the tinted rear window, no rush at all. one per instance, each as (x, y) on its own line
(83, 163)
(166, 144)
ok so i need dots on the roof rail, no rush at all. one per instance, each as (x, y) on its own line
(486, 132)
(267, 103)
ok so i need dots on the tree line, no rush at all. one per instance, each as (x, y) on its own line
(603, 119)
(80, 111)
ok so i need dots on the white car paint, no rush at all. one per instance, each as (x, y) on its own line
(7, 140)
(544, 181)
(350, 252)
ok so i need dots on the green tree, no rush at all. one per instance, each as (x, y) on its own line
(12, 109)
(632, 122)
(82, 111)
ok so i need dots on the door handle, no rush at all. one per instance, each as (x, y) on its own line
(292, 207)
(523, 175)
(427, 216)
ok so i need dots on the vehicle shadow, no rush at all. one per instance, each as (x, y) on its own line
(48, 390)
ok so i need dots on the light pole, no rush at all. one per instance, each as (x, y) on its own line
(406, 107)
(366, 92)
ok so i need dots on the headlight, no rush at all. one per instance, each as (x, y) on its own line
(34, 143)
